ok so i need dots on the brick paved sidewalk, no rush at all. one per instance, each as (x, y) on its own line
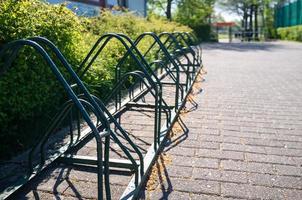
(244, 140)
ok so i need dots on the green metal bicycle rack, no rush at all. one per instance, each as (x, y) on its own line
(175, 65)
(170, 63)
(83, 107)
(180, 55)
(145, 69)
(89, 118)
(163, 63)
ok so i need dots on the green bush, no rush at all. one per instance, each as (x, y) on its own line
(204, 32)
(29, 93)
(290, 33)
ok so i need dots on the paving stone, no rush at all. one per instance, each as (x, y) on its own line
(82, 175)
(220, 154)
(205, 162)
(276, 181)
(283, 151)
(243, 148)
(198, 144)
(182, 160)
(173, 195)
(261, 179)
(207, 131)
(271, 159)
(294, 145)
(81, 189)
(51, 183)
(250, 192)
(196, 186)
(220, 139)
(264, 142)
(36, 194)
(209, 197)
(218, 175)
(288, 170)
(182, 151)
(179, 172)
(242, 134)
(292, 194)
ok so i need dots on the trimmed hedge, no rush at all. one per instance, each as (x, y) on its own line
(290, 33)
(205, 33)
(29, 93)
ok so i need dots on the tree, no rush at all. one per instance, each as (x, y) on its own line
(249, 8)
(192, 12)
(162, 6)
(167, 6)
(197, 15)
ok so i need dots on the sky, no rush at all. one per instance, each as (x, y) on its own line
(228, 16)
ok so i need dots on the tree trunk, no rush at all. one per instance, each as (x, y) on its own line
(168, 10)
(256, 23)
(245, 17)
(251, 23)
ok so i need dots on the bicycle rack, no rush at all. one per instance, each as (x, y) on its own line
(193, 42)
(84, 107)
(103, 118)
(185, 39)
(163, 63)
(180, 54)
(145, 69)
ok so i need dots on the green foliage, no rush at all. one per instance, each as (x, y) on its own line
(204, 32)
(290, 33)
(127, 24)
(162, 6)
(196, 14)
(269, 27)
(29, 92)
(241, 7)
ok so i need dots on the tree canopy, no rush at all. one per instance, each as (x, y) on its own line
(193, 12)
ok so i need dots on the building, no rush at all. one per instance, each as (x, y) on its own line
(91, 7)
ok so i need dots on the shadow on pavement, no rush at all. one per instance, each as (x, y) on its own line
(242, 46)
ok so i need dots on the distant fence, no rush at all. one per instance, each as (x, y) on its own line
(289, 14)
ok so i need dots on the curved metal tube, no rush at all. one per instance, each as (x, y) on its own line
(15, 47)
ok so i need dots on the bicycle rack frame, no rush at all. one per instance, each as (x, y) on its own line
(170, 59)
(11, 51)
(162, 63)
(81, 104)
(186, 39)
(130, 192)
(153, 83)
(147, 72)
(181, 51)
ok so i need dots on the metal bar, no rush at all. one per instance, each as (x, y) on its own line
(146, 105)
(171, 83)
(89, 160)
